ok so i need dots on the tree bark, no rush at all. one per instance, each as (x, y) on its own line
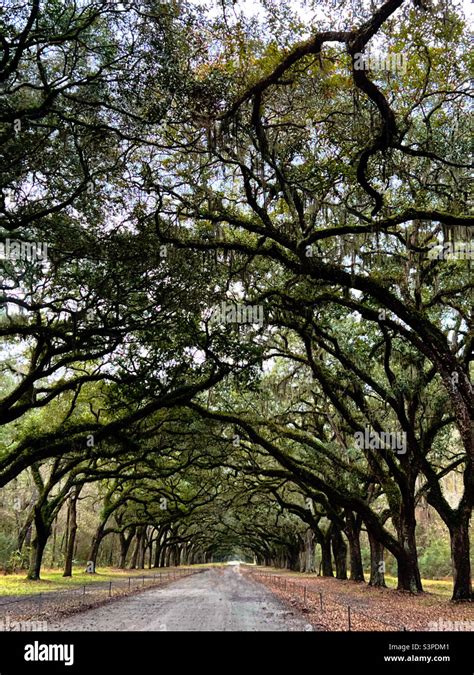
(125, 541)
(72, 521)
(409, 578)
(460, 548)
(38, 545)
(326, 569)
(339, 548)
(457, 522)
(136, 550)
(53, 548)
(353, 536)
(309, 552)
(142, 549)
(101, 532)
(377, 564)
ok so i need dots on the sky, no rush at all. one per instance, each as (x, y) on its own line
(311, 10)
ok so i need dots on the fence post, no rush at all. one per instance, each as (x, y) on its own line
(129, 581)
(110, 588)
(349, 616)
(143, 580)
(83, 594)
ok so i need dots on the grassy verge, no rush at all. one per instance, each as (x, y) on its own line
(52, 579)
(438, 586)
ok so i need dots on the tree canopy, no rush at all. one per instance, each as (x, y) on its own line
(249, 327)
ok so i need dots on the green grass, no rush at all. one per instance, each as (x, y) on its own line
(439, 586)
(52, 579)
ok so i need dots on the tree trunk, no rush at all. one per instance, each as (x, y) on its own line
(156, 562)
(309, 552)
(460, 547)
(94, 551)
(457, 522)
(292, 559)
(339, 548)
(326, 569)
(25, 533)
(409, 578)
(53, 548)
(123, 550)
(150, 552)
(72, 521)
(37, 551)
(162, 554)
(408, 574)
(142, 549)
(133, 561)
(353, 536)
(125, 541)
(37, 546)
(377, 564)
(28, 535)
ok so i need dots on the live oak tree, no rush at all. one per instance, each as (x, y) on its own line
(289, 184)
(173, 162)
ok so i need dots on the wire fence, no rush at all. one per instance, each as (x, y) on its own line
(337, 614)
(53, 604)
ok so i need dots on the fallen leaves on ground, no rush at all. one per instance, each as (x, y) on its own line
(52, 606)
(332, 603)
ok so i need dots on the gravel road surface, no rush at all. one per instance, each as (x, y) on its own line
(220, 599)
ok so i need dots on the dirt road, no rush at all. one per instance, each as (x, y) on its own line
(220, 599)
